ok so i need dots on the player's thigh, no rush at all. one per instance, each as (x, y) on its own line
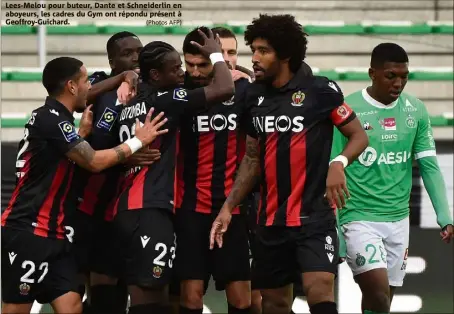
(396, 245)
(192, 231)
(274, 263)
(365, 247)
(103, 257)
(231, 262)
(151, 250)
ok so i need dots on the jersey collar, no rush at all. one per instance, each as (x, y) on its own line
(52, 102)
(376, 103)
(303, 73)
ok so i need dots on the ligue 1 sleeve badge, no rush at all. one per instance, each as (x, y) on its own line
(297, 99)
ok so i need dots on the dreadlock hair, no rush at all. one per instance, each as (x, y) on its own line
(112, 43)
(194, 36)
(387, 52)
(58, 72)
(152, 57)
(283, 33)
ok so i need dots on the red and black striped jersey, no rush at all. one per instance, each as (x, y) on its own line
(294, 127)
(153, 186)
(211, 148)
(98, 192)
(44, 173)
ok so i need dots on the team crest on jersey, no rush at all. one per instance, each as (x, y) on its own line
(410, 122)
(24, 289)
(68, 130)
(107, 119)
(367, 126)
(229, 102)
(157, 271)
(342, 112)
(180, 94)
(297, 98)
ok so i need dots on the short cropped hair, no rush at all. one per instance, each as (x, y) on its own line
(112, 46)
(387, 52)
(224, 33)
(283, 33)
(152, 57)
(58, 72)
(196, 37)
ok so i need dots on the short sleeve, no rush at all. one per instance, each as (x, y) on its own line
(58, 131)
(247, 125)
(182, 99)
(424, 145)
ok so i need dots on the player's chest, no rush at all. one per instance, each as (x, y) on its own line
(222, 117)
(389, 127)
(285, 111)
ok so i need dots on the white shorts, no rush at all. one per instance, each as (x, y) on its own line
(372, 245)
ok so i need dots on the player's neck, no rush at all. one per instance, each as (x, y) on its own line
(65, 101)
(284, 76)
(375, 95)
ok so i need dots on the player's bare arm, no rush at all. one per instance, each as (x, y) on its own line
(222, 86)
(144, 157)
(247, 177)
(245, 71)
(95, 161)
(113, 82)
(336, 184)
(86, 122)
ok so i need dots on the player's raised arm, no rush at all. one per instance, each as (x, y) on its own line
(425, 154)
(113, 82)
(222, 86)
(85, 156)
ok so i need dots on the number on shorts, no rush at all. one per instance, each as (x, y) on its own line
(44, 267)
(70, 233)
(383, 254)
(374, 251)
(158, 260)
(172, 250)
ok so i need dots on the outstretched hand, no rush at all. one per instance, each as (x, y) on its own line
(212, 44)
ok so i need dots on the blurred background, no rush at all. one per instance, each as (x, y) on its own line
(342, 36)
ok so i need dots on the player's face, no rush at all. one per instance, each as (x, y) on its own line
(264, 61)
(127, 57)
(171, 74)
(229, 52)
(81, 88)
(390, 80)
(199, 68)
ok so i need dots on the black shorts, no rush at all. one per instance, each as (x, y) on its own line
(195, 260)
(79, 230)
(104, 250)
(146, 246)
(35, 268)
(283, 252)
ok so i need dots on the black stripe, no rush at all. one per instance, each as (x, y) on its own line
(218, 176)
(189, 143)
(348, 120)
(283, 176)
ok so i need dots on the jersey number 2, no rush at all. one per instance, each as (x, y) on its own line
(126, 134)
(44, 267)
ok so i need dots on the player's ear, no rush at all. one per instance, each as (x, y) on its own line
(112, 64)
(154, 75)
(372, 73)
(71, 86)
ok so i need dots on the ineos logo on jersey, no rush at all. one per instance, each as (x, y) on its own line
(218, 122)
(269, 124)
(133, 111)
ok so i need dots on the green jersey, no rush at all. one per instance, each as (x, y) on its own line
(380, 180)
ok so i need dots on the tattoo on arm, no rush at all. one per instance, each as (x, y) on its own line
(84, 150)
(248, 174)
(120, 153)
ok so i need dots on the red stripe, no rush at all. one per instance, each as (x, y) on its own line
(91, 191)
(22, 179)
(135, 193)
(204, 172)
(231, 165)
(42, 225)
(298, 178)
(110, 212)
(61, 212)
(271, 177)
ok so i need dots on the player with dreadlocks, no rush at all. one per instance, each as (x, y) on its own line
(144, 220)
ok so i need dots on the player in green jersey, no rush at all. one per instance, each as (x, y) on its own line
(375, 220)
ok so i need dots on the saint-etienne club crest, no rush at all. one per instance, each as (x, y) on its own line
(297, 98)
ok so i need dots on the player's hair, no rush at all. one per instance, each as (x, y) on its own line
(387, 52)
(194, 36)
(152, 57)
(59, 71)
(285, 35)
(224, 33)
(112, 43)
